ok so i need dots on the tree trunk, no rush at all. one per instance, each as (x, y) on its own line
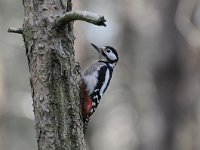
(55, 91)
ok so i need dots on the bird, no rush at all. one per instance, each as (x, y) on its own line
(95, 80)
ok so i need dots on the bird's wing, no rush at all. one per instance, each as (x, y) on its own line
(90, 76)
(92, 68)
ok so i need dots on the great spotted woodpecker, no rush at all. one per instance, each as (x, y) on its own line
(95, 80)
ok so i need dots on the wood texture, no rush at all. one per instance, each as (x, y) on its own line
(54, 73)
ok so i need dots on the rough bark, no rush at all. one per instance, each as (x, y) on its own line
(53, 70)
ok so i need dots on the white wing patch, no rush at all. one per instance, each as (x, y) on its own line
(105, 82)
(91, 81)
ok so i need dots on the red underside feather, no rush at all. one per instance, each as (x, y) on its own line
(86, 101)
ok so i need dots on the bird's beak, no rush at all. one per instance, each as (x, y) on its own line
(97, 48)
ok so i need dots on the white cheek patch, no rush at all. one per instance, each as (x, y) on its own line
(111, 56)
(91, 81)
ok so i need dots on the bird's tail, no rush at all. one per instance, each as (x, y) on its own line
(85, 124)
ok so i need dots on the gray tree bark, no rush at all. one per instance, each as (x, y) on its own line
(55, 91)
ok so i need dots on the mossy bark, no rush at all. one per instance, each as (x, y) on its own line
(54, 73)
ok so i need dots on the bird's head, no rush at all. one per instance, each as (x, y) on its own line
(107, 54)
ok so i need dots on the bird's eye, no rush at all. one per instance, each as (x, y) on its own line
(108, 50)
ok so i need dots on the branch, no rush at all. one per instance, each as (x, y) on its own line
(80, 15)
(15, 30)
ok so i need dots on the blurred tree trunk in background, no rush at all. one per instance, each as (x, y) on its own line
(53, 72)
(187, 133)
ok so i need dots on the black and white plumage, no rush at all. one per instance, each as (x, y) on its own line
(95, 80)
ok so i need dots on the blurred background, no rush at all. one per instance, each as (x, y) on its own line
(153, 100)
